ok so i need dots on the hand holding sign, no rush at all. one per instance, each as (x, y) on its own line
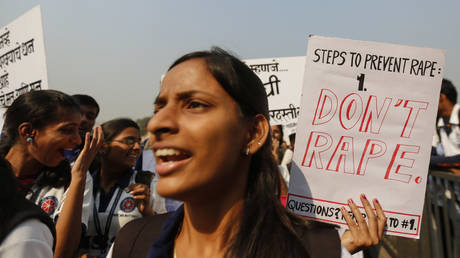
(360, 234)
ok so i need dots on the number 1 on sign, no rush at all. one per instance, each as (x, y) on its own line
(360, 78)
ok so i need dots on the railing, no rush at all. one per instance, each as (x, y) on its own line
(440, 235)
(442, 216)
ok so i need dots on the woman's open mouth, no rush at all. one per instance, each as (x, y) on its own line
(170, 159)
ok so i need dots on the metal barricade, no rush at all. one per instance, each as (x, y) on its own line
(442, 216)
(440, 235)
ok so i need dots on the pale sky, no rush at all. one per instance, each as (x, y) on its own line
(116, 51)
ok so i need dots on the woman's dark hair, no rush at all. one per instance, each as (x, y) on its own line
(114, 127)
(267, 229)
(8, 188)
(86, 100)
(448, 89)
(40, 108)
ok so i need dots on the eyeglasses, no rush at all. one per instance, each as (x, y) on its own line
(130, 142)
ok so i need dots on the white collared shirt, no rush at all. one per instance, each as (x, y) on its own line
(450, 143)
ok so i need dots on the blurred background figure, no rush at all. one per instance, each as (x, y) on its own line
(121, 194)
(445, 155)
(279, 145)
(446, 140)
(89, 111)
(285, 166)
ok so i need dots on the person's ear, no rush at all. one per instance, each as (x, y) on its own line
(258, 134)
(442, 97)
(26, 132)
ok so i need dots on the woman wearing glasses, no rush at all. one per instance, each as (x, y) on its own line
(120, 193)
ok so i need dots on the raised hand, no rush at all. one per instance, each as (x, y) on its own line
(68, 226)
(90, 149)
(361, 234)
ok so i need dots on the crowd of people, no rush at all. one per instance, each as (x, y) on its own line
(209, 181)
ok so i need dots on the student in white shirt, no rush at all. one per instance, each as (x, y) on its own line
(120, 193)
(39, 126)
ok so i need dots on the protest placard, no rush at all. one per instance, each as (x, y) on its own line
(22, 58)
(366, 123)
(282, 79)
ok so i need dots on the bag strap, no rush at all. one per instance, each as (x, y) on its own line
(136, 237)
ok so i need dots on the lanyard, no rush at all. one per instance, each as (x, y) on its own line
(35, 194)
(109, 218)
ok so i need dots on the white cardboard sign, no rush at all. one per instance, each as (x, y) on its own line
(282, 79)
(366, 123)
(22, 58)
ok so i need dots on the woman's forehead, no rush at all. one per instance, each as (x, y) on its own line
(186, 71)
(190, 76)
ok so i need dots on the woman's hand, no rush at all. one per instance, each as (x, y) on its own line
(141, 195)
(89, 151)
(68, 226)
(362, 234)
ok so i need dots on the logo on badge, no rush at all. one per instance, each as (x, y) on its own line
(48, 204)
(127, 205)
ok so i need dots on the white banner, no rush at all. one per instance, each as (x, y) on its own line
(366, 123)
(22, 58)
(282, 79)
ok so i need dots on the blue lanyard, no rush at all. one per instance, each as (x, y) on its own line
(109, 218)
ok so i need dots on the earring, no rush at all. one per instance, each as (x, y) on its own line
(29, 139)
(247, 151)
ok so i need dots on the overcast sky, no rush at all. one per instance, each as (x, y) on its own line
(117, 51)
